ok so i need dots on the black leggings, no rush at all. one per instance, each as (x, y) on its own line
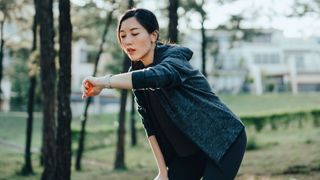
(200, 165)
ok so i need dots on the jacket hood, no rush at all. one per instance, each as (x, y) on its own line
(162, 51)
(165, 50)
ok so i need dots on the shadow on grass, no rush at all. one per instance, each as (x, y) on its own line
(302, 169)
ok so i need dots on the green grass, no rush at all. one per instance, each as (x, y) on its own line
(280, 151)
(286, 153)
(271, 103)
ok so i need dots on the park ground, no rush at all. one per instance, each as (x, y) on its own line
(290, 152)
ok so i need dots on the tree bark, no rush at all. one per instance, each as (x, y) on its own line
(203, 47)
(48, 78)
(120, 151)
(88, 100)
(1, 58)
(133, 126)
(173, 21)
(63, 171)
(27, 168)
(133, 122)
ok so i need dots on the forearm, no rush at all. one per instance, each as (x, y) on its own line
(121, 81)
(92, 86)
(158, 155)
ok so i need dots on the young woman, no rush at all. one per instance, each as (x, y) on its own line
(191, 132)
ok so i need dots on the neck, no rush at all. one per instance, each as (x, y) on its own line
(149, 57)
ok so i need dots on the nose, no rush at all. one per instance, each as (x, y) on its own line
(127, 40)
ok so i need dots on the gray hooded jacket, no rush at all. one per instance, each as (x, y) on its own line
(188, 99)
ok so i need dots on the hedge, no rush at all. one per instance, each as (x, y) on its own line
(274, 120)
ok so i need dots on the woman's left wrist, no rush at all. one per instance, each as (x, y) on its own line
(103, 82)
(108, 81)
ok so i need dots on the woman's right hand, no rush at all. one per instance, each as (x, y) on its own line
(161, 177)
(91, 86)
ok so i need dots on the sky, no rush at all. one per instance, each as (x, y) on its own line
(270, 14)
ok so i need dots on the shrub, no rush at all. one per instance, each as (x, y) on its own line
(316, 117)
(275, 120)
(252, 143)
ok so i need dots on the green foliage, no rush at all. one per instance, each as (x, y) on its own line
(252, 143)
(90, 29)
(5, 7)
(117, 55)
(316, 117)
(302, 8)
(308, 141)
(18, 74)
(282, 119)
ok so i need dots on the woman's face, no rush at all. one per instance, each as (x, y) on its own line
(136, 41)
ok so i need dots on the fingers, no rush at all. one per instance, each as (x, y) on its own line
(83, 96)
(90, 87)
(87, 87)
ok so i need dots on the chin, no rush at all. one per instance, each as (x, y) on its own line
(134, 58)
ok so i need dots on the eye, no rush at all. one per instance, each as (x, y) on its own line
(135, 34)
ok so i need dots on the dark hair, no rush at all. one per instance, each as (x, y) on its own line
(145, 17)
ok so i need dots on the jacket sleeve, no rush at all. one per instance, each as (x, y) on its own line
(171, 72)
(146, 121)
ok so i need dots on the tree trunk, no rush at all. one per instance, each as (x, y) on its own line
(203, 47)
(133, 122)
(1, 59)
(48, 78)
(35, 25)
(120, 151)
(88, 100)
(27, 168)
(173, 21)
(82, 135)
(63, 171)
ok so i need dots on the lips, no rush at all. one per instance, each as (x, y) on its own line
(130, 50)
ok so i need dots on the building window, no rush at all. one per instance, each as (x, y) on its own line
(300, 62)
(262, 38)
(83, 56)
(87, 56)
(92, 56)
(266, 59)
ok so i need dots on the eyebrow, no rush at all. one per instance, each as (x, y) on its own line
(132, 29)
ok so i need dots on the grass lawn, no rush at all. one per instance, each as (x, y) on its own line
(271, 103)
(286, 153)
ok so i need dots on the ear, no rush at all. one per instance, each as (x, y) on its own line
(154, 36)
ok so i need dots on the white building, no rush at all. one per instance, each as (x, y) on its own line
(82, 66)
(5, 84)
(271, 61)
